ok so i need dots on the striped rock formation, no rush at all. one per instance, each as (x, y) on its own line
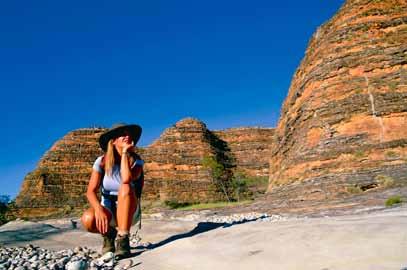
(343, 125)
(173, 166)
(250, 148)
(59, 182)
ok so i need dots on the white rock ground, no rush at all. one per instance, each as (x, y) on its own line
(367, 240)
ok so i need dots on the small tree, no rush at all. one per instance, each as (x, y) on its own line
(239, 184)
(217, 172)
(4, 201)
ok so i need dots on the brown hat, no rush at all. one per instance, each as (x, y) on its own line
(116, 131)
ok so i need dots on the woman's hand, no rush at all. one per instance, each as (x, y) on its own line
(127, 146)
(102, 216)
(102, 220)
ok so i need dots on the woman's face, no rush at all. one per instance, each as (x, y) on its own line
(123, 139)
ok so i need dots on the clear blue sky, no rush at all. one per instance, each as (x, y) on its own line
(66, 65)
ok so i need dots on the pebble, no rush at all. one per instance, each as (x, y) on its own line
(124, 265)
(109, 256)
(247, 217)
(77, 265)
(79, 258)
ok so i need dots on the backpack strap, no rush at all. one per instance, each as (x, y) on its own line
(139, 184)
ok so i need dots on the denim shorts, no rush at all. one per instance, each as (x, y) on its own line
(110, 203)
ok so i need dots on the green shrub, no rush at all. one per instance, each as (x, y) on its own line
(216, 169)
(354, 190)
(391, 154)
(392, 85)
(235, 185)
(385, 180)
(393, 200)
(213, 205)
(247, 187)
(218, 174)
(239, 185)
(173, 204)
(67, 209)
(359, 153)
(259, 181)
(5, 207)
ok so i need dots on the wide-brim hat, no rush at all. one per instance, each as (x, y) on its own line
(117, 130)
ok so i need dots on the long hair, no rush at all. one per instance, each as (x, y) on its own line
(112, 157)
(109, 158)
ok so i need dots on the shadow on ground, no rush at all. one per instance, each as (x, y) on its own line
(201, 227)
(30, 233)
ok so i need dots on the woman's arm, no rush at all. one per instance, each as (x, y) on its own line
(130, 172)
(125, 171)
(102, 220)
(93, 188)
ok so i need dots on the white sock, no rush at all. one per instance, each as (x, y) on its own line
(122, 233)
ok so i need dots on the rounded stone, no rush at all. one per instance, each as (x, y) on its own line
(78, 249)
(35, 265)
(77, 265)
(34, 258)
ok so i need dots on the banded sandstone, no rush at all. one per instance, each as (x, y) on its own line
(343, 123)
(173, 166)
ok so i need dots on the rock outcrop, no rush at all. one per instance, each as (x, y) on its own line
(59, 182)
(173, 166)
(250, 148)
(343, 125)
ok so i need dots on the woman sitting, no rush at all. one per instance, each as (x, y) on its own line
(118, 175)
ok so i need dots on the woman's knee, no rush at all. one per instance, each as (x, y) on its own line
(88, 220)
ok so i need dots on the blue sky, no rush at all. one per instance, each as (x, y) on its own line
(73, 64)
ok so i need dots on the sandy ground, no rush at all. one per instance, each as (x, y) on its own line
(367, 240)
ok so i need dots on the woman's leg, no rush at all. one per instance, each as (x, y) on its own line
(126, 206)
(89, 221)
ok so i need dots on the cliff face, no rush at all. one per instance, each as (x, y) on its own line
(250, 148)
(343, 123)
(173, 166)
(59, 182)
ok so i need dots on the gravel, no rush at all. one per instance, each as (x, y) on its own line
(79, 258)
(247, 217)
(228, 219)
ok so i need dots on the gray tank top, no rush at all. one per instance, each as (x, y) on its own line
(111, 183)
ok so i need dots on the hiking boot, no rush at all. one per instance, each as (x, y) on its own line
(122, 246)
(108, 240)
